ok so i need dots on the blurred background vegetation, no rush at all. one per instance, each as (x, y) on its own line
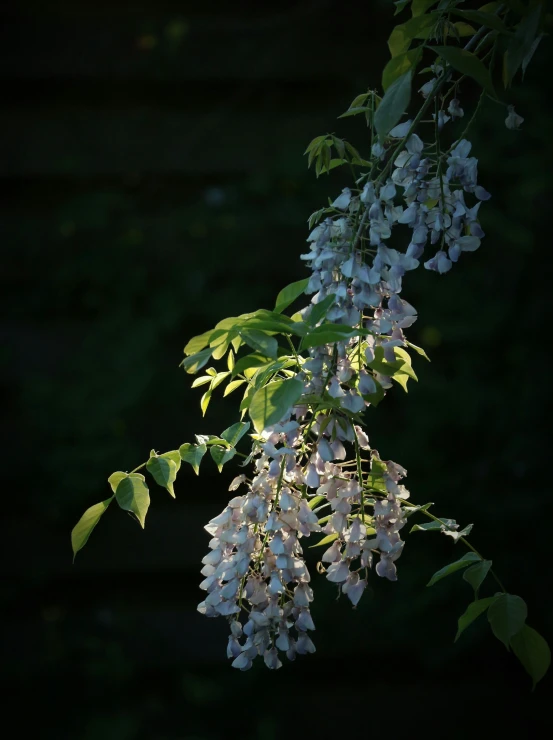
(154, 183)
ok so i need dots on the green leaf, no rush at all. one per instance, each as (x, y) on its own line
(83, 529)
(418, 350)
(193, 454)
(473, 611)
(530, 53)
(255, 360)
(234, 433)
(400, 5)
(462, 30)
(232, 386)
(328, 334)
(432, 526)
(354, 112)
(333, 164)
(416, 28)
(375, 398)
(198, 343)
(379, 365)
(221, 346)
(289, 294)
(403, 356)
(468, 64)
(312, 503)
(402, 379)
(394, 104)
(533, 652)
(399, 65)
(325, 540)
(456, 536)
(115, 478)
(247, 399)
(264, 320)
(319, 310)
(375, 479)
(507, 616)
(315, 143)
(466, 560)
(202, 380)
(163, 471)
(260, 342)
(263, 374)
(483, 19)
(204, 401)
(218, 379)
(195, 362)
(221, 455)
(476, 574)
(173, 455)
(132, 495)
(270, 403)
(521, 46)
(210, 439)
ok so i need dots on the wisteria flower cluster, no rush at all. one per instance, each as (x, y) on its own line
(311, 468)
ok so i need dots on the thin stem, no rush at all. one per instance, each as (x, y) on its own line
(461, 539)
(359, 473)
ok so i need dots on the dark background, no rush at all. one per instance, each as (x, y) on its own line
(154, 183)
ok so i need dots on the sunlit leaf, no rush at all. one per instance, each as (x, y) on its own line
(319, 310)
(195, 362)
(204, 401)
(232, 386)
(193, 454)
(260, 342)
(83, 529)
(289, 294)
(328, 334)
(418, 350)
(234, 433)
(115, 478)
(132, 495)
(221, 455)
(326, 540)
(270, 403)
(163, 471)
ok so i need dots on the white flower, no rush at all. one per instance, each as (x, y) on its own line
(427, 88)
(343, 200)
(338, 572)
(513, 120)
(454, 109)
(401, 130)
(237, 482)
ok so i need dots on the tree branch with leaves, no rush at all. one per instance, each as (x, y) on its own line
(309, 378)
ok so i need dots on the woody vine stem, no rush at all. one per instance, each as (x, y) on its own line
(310, 377)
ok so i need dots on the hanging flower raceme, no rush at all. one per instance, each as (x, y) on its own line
(311, 468)
(255, 565)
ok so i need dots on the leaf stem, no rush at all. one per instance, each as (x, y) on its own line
(461, 539)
